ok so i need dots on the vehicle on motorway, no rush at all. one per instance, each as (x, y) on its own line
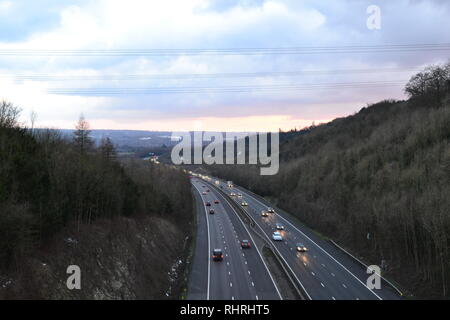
(277, 236)
(301, 247)
(217, 255)
(245, 244)
(216, 201)
(264, 213)
(208, 204)
(204, 193)
(217, 182)
(211, 211)
(279, 226)
(244, 204)
(232, 194)
(230, 184)
(270, 210)
(207, 190)
(239, 195)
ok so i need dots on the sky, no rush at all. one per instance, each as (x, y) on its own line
(221, 92)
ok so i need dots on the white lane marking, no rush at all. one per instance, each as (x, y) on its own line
(322, 250)
(248, 271)
(209, 245)
(323, 265)
(231, 284)
(304, 263)
(333, 298)
(257, 298)
(232, 298)
(253, 284)
(322, 284)
(259, 253)
(333, 274)
(229, 273)
(344, 286)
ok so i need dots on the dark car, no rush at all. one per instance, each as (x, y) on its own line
(245, 244)
(217, 255)
(208, 204)
(301, 247)
(216, 201)
(211, 211)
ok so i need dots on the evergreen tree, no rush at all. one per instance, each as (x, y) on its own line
(81, 138)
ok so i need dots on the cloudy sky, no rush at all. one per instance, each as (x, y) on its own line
(47, 62)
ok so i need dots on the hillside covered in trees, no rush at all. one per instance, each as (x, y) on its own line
(377, 182)
(52, 187)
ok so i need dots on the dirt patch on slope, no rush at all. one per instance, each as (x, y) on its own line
(123, 258)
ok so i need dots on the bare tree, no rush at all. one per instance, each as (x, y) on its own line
(107, 149)
(33, 118)
(9, 114)
(432, 82)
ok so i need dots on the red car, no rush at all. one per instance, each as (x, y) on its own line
(245, 244)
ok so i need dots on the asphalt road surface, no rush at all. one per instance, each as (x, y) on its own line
(242, 275)
(325, 272)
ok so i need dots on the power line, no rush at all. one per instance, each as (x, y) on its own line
(231, 51)
(53, 77)
(228, 89)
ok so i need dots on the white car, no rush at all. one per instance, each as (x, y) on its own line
(240, 195)
(244, 204)
(270, 210)
(277, 236)
(264, 213)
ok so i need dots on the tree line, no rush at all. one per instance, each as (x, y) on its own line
(48, 181)
(377, 181)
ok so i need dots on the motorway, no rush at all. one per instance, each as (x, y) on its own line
(243, 274)
(324, 271)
